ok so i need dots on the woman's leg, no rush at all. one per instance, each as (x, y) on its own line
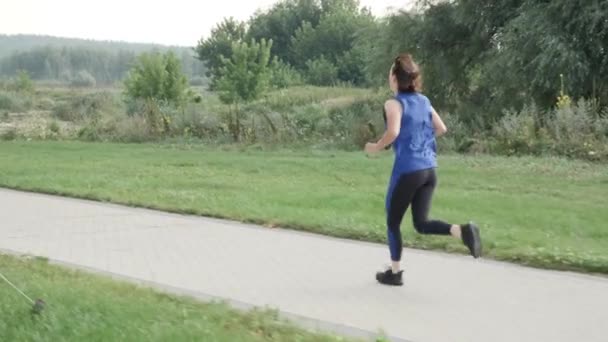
(421, 206)
(398, 199)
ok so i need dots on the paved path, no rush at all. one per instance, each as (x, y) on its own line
(446, 297)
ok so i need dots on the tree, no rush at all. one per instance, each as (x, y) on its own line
(23, 82)
(334, 38)
(303, 30)
(159, 77)
(244, 77)
(281, 22)
(547, 39)
(334, 6)
(106, 65)
(376, 49)
(218, 46)
(443, 44)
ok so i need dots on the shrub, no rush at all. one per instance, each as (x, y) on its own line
(10, 134)
(358, 122)
(15, 102)
(54, 127)
(283, 75)
(83, 79)
(89, 133)
(570, 122)
(578, 130)
(194, 121)
(516, 133)
(574, 130)
(157, 76)
(86, 107)
(459, 138)
(22, 83)
(132, 130)
(321, 72)
(45, 103)
(302, 123)
(64, 111)
(6, 101)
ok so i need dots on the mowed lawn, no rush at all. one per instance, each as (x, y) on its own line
(539, 211)
(83, 307)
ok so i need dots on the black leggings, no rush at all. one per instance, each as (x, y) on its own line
(415, 189)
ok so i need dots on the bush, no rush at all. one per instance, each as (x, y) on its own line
(147, 125)
(323, 116)
(574, 130)
(157, 76)
(570, 122)
(89, 133)
(579, 130)
(283, 75)
(133, 130)
(86, 107)
(64, 111)
(22, 83)
(15, 102)
(52, 131)
(321, 72)
(358, 122)
(45, 103)
(83, 79)
(158, 115)
(303, 123)
(9, 135)
(459, 137)
(6, 101)
(195, 122)
(517, 133)
(54, 127)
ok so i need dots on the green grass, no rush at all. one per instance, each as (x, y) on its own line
(538, 211)
(83, 307)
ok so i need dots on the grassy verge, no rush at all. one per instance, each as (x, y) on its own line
(84, 307)
(537, 211)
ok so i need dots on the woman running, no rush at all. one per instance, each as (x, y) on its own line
(411, 127)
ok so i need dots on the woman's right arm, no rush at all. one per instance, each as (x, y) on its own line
(440, 128)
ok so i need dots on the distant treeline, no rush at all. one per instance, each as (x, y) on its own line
(63, 59)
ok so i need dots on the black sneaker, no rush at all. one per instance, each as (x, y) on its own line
(390, 278)
(472, 239)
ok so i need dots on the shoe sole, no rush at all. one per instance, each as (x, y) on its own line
(476, 241)
(387, 284)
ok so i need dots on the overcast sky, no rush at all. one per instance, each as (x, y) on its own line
(175, 22)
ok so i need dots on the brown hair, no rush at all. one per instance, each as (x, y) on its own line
(407, 72)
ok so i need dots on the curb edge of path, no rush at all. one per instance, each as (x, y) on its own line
(308, 323)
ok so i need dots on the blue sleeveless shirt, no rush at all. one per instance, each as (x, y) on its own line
(415, 147)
